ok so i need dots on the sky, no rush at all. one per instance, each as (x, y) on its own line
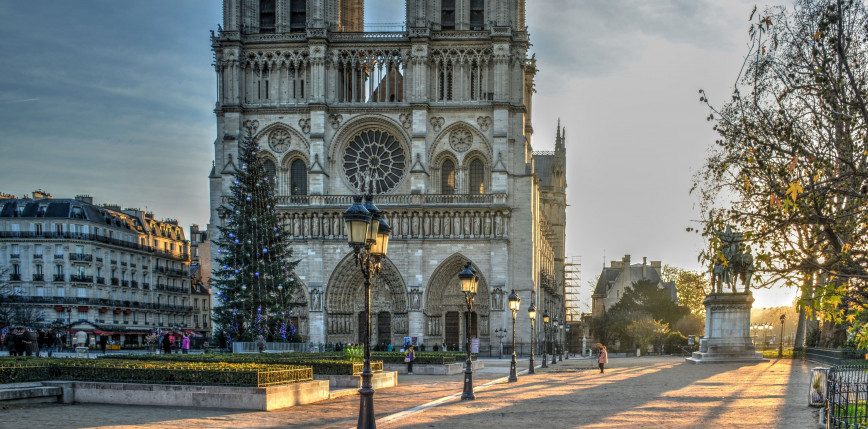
(115, 100)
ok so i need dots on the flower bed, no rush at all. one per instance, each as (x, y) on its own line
(154, 372)
(320, 366)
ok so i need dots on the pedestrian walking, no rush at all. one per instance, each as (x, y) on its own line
(167, 344)
(103, 342)
(222, 339)
(604, 358)
(185, 344)
(409, 358)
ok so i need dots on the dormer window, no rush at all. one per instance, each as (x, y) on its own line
(77, 213)
(447, 15)
(267, 15)
(40, 212)
(19, 210)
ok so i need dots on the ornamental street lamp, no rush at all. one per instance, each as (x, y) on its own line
(561, 341)
(514, 303)
(781, 345)
(469, 282)
(500, 333)
(567, 356)
(368, 235)
(546, 336)
(555, 341)
(531, 312)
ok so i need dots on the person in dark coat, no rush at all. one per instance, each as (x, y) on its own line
(103, 342)
(167, 344)
(222, 339)
(19, 339)
(31, 343)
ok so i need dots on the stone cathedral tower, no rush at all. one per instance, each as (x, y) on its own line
(440, 116)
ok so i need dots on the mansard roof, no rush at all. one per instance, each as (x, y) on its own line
(543, 163)
(610, 275)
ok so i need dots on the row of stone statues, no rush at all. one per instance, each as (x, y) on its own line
(406, 224)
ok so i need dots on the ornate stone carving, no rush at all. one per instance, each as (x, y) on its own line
(415, 299)
(315, 299)
(497, 299)
(335, 120)
(437, 123)
(304, 125)
(484, 122)
(251, 126)
(279, 140)
(406, 120)
(461, 139)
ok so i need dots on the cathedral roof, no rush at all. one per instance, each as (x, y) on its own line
(543, 163)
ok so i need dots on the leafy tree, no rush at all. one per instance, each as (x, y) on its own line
(645, 298)
(254, 274)
(645, 329)
(7, 295)
(791, 165)
(692, 324)
(692, 287)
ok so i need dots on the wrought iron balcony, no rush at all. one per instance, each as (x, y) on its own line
(81, 279)
(80, 257)
(59, 278)
(39, 277)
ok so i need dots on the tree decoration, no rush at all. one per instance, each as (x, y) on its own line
(254, 278)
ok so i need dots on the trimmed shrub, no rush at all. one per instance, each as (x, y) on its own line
(154, 372)
(319, 366)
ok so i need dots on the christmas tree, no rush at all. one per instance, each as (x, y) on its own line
(253, 276)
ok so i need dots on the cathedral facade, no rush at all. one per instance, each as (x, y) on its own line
(436, 119)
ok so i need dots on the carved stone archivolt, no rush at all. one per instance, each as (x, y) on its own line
(279, 140)
(344, 297)
(462, 140)
(443, 294)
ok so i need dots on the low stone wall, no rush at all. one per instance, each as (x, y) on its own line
(379, 380)
(418, 369)
(246, 398)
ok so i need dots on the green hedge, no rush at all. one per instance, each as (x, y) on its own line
(153, 372)
(319, 365)
(423, 358)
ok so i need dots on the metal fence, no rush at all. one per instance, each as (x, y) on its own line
(847, 397)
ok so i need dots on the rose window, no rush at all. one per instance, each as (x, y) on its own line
(461, 139)
(374, 160)
(279, 140)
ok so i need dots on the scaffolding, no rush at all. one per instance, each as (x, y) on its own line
(572, 288)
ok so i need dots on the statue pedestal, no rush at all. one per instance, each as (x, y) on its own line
(727, 330)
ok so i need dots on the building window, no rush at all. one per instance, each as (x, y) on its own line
(40, 291)
(447, 14)
(37, 249)
(297, 15)
(58, 249)
(477, 14)
(298, 177)
(37, 228)
(267, 9)
(477, 177)
(270, 169)
(82, 292)
(82, 316)
(61, 292)
(447, 177)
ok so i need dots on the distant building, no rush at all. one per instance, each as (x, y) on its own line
(615, 279)
(200, 270)
(98, 269)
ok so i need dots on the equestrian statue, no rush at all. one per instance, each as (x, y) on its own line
(732, 262)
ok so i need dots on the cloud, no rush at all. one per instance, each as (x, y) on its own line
(597, 37)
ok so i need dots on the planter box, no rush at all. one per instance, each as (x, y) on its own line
(379, 380)
(245, 398)
(449, 369)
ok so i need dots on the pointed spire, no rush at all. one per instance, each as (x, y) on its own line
(559, 129)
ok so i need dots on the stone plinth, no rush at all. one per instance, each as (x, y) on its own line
(727, 330)
(379, 380)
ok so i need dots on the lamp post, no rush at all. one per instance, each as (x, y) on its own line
(514, 303)
(781, 342)
(531, 312)
(368, 235)
(561, 341)
(545, 336)
(469, 282)
(500, 333)
(567, 354)
(555, 341)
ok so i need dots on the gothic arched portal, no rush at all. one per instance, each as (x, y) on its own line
(445, 306)
(345, 303)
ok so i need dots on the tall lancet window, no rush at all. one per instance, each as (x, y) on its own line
(297, 15)
(447, 14)
(477, 14)
(270, 169)
(298, 177)
(447, 177)
(477, 177)
(267, 15)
